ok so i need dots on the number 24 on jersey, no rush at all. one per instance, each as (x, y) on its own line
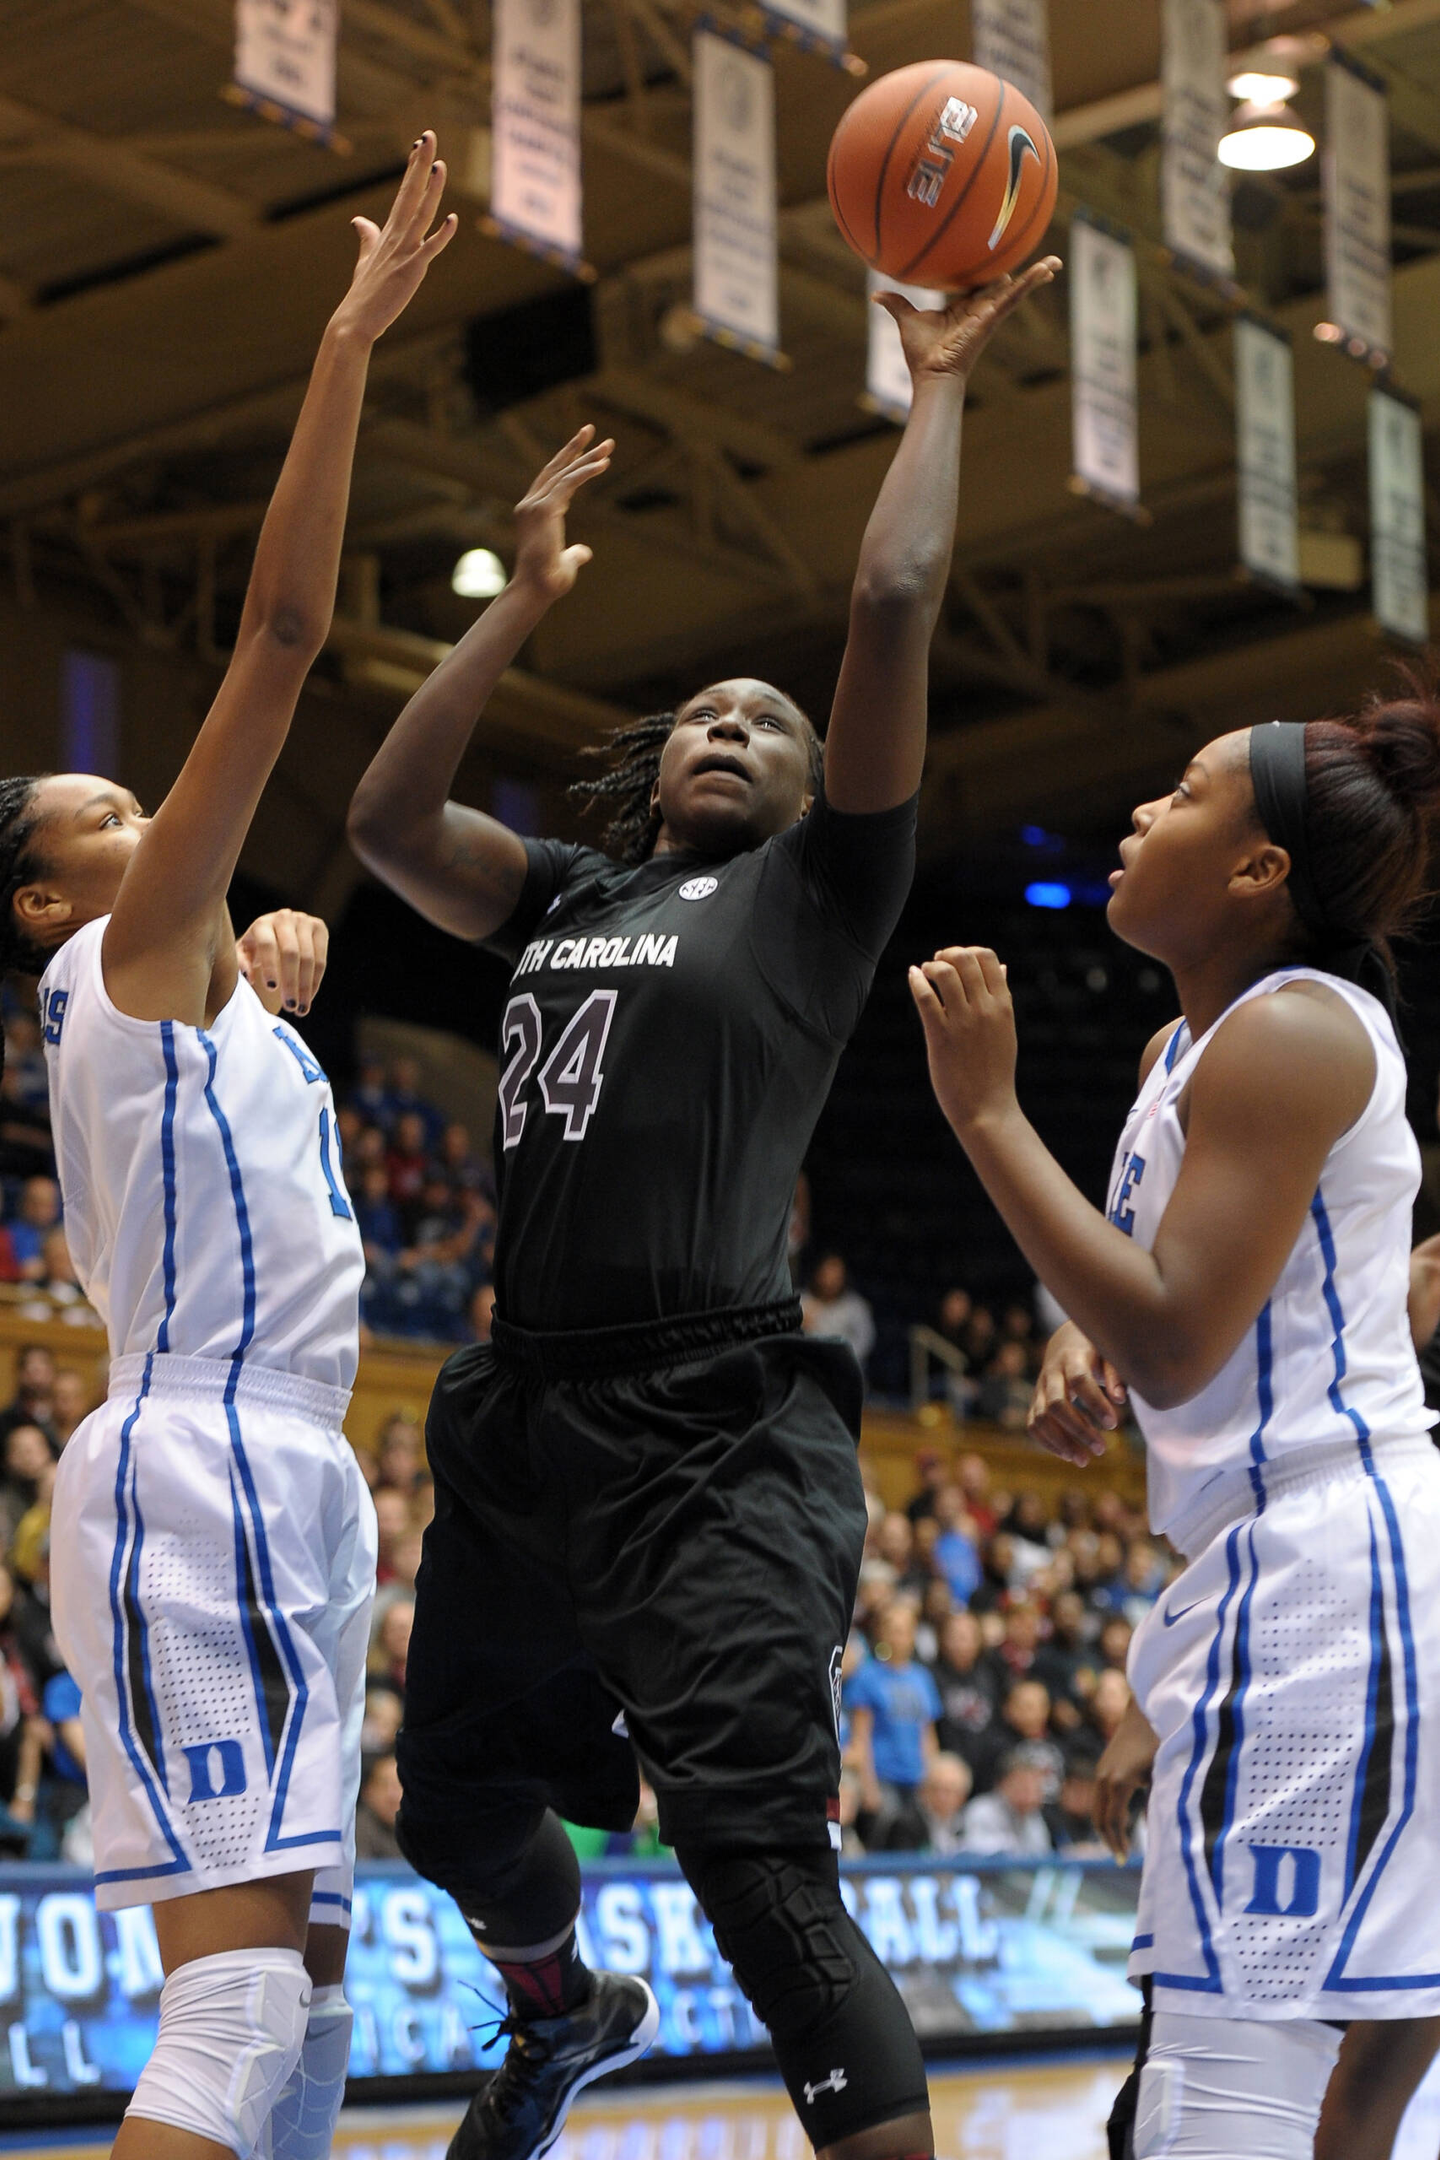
(572, 1075)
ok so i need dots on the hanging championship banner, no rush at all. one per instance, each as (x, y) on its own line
(535, 120)
(285, 62)
(1400, 587)
(1106, 451)
(737, 275)
(1357, 209)
(1265, 452)
(1194, 186)
(1012, 39)
(820, 24)
(888, 388)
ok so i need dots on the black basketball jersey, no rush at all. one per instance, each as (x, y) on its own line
(670, 1037)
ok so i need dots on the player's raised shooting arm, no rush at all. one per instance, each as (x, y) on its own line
(460, 869)
(875, 745)
(168, 931)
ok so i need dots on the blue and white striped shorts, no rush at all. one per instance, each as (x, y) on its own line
(212, 1573)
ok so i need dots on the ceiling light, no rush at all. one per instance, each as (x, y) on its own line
(1265, 138)
(1263, 89)
(478, 575)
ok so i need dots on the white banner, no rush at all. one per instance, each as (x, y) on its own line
(823, 22)
(1194, 185)
(888, 387)
(1012, 39)
(285, 55)
(1357, 208)
(535, 175)
(737, 276)
(1400, 588)
(1106, 451)
(1265, 452)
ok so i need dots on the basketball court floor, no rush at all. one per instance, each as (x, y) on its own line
(1020, 2112)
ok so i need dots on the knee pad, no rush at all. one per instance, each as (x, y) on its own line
(302, 2121)
(516, 1878)
(231, 2031)
(844, 2042)
(1233, 2088)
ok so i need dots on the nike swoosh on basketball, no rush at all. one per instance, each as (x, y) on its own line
(1021, 140)
(1170, 1618)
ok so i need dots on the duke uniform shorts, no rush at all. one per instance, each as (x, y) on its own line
(667, 1550)
(212, 1573)
(1292, 1674)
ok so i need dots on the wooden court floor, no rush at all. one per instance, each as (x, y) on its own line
(1053, 2112)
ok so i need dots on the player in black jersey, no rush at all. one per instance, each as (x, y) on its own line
(648, 1515)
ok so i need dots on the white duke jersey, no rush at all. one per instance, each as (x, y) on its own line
(1330, 1357)
(200, 1171)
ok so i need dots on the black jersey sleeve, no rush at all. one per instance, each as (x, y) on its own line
(554, 866)
(832, 892)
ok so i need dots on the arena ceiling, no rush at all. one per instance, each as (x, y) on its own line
(167, 263)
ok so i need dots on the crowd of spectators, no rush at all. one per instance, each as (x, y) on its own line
(985, 1671)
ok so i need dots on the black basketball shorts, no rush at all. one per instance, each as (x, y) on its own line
(653, 1532)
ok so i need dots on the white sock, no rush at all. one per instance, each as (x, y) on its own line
(302, 2121)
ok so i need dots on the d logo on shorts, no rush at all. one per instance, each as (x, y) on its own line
(217, 1770)
(1270, 1873)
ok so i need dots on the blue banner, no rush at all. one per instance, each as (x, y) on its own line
(977, 1950)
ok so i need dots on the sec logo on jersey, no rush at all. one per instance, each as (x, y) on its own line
(699, 888)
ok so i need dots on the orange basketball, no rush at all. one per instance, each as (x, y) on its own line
(941, 174)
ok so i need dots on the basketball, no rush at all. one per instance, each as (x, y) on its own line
(941, 174)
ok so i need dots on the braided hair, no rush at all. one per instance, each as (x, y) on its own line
(633, 755)
(19, 863)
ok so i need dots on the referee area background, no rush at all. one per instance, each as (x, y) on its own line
(169, 251)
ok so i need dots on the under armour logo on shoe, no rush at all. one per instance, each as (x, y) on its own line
(835, 2083)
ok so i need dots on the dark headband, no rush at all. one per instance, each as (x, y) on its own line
(1278, 777)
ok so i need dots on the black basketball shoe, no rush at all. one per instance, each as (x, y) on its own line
(521, 2111)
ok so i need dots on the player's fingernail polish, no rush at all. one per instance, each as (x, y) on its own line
(270, 983)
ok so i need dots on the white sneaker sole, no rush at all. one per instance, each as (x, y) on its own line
(640, 2043)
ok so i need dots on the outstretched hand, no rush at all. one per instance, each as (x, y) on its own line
(282, 956)
(394, 258)
(949, 341)
(542, 560)
(964, 1005)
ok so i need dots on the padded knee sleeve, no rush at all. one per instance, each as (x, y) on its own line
(516, 1879)
(1233, 2088)
(302, 2121)
(845, 2045)
(231, 2031)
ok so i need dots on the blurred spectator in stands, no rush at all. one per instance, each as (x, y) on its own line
(463, 1168)
(936, 1606)
(895, 1544)
(831, 1307)
(28, 1457)
(1070, 1816)
(1113, 1644)
(992, 1593)
(31, 1541)
(1019, 1645)
(348, 1127)
(482, 1312)
(1104, 1714)
(1009, 1819)
(797, 1236)
(26, 1149)
(1025, 1717)
(1005, 1391)
(932, 1472)
(62, 1790)
(58, 1285)
(71, 1401)
(370, 1095)
(893, 1705)
(1069, 1662)
(400, 1454)
(391, 1643)
(25, 1058)
(384, 1709)
(952, 1318)
(378, 1807)
(972, 1475)
(405, 1098)
(30, 1618)
(34, 1388)
(22, 1733)
(1108, 1590)
(38, 1215)
(956, 1553)
(407, 1161)
(377, 1218)
(969, 1691)
(1144, 1580)
(981, 1336)
(392, 1521)
(933, 1821)
(1017, 1324)
(371, 1147)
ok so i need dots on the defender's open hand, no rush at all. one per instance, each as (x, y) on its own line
(969, 1021)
